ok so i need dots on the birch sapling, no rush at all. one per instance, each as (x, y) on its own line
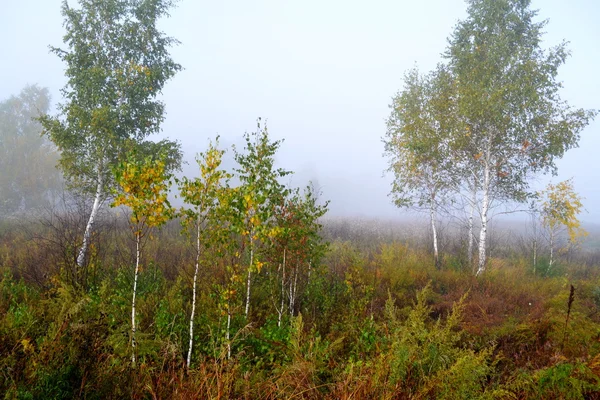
(560, 206)
(297, 244)
(203, 194)
(144, 185)
(258, 191)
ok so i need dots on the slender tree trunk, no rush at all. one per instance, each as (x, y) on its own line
(282, 289)
(534, 230)
(434, 234)
(290, 295)
(534, 254)
(228, 331)
(90, 224)
(471, 238)
(293, 286)
(249, 279)
(295, 290)
(484, 221)
(551, 249)
(135, 280)
(191, 344)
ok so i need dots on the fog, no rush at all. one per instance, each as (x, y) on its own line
(322, 73)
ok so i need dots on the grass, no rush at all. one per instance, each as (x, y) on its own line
(371, 322)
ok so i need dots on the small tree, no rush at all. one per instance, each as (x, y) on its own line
(259, 190)
(309, 247)
(233, 283)
(144, 187)
(559, 207)
(297, 245)
(205, 195)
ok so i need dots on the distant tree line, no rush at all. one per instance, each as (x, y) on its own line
(29, 179)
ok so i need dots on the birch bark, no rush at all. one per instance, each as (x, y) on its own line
(484, 220)
(90, 224)
(135, 280)
(249, 279)
(471, 238)
(282, 290)
(434, 233)
(551, 249)
(191, 344)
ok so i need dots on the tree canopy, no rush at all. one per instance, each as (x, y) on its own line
(501, 119)
(117, 62)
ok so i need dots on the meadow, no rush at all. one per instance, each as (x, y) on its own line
(373, 319)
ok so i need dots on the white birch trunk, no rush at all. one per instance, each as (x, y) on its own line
(227, 332)
(295, 290)
(292, 296)
(191, 344)
(135, 279)
(434, 234)
(534, 255)
(280, 311)
(471, 238)
(90, 224)
(551, 249)
(249, 279)
(484, 220)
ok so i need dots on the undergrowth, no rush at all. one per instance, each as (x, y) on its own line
(371, 323)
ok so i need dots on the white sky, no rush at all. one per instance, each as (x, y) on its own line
(323, 74)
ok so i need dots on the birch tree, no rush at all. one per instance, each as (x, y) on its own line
(259, 189)
(117, 62)
(203, 194)
(310, 248)
(515, 122)
(559, 207)
(417, 143)
(297, 246)
(229, 201)
(144, 187)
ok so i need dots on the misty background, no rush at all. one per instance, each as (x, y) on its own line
(322, 73)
